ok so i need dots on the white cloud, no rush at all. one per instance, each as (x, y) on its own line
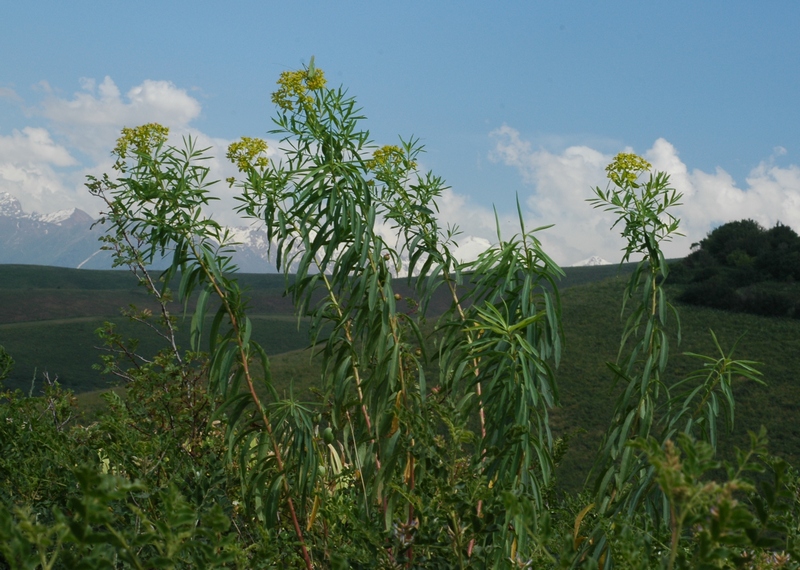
(33, 145)
(45, 175)
(92, 119)
(46, 167)
(29, 160)
(8, 93)
(772, 194)
(561, 183)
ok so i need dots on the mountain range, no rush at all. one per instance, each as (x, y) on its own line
(591, 262)
(69, 238)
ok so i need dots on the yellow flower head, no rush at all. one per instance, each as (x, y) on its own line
(142, 139)
(626, 168)
(389, 157)
(248, 153)
(294, 88)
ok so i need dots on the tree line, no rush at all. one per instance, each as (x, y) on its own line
(741, 266)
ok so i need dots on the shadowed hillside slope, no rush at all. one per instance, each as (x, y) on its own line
(48, 317)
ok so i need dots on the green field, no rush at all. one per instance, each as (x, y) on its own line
(592, 328)
(48, 317)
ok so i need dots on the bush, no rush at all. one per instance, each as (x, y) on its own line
(714, 292)
(768, 299)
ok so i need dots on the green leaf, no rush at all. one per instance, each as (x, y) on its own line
(196, 328)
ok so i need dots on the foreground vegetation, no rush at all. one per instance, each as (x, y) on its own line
(396, 463)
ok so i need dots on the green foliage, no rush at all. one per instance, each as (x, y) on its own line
(649, 408)
(6, 363)
(429, 443)
(644, 348)
(320, 207)
(741, 266)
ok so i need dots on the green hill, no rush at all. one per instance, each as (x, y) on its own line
(741, 266)
(48, 317)
(592, 328)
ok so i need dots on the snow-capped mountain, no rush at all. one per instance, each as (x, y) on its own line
(253, 253)
(10, 206)
(66, 217)
(64, 238)
(591, 261)
(69, 238)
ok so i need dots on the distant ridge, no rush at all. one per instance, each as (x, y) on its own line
(69, 238)
(64, 238)
(591, 261)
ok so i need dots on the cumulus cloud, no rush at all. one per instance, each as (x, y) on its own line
(92, 118)
(34, 145)
(30, 164)
(46, 168)
(561, 182)
(771, 194)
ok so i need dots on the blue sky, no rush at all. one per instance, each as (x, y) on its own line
(513, 98)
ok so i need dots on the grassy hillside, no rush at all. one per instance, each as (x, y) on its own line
(67, 347)
(592, 328)
(48, 317)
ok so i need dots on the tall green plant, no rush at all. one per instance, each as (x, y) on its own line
(346, 220)
(155, 207)
(326, 206)
(642, 208)
(649, 408)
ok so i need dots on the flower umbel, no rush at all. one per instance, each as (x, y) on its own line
(295, 85)
(142, 140)
(626, 168)
(248, 153)
(389, 159)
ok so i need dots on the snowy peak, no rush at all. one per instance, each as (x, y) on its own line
(57, 217)
(10, 206)
(68, 238)
(71, 217)
(591, 261)
(63, 238)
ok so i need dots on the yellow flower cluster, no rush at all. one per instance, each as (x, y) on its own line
(142, 139)
(626, 168)
(248, 152)
(389, 156)
(294, 88)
